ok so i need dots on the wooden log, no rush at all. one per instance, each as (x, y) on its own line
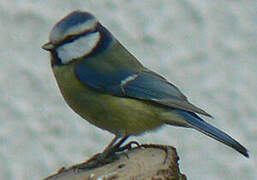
(155, 162)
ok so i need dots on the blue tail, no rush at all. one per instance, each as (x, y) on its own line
(199, 124)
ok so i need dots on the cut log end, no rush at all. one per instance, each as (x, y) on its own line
(154, 162)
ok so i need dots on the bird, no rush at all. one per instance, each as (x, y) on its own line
(107, 86)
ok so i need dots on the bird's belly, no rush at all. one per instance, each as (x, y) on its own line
(121, 116)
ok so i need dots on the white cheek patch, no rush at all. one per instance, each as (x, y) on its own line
(78, 48)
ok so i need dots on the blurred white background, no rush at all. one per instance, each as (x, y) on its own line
(207, 48)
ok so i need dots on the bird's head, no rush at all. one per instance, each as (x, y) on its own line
(77, 35)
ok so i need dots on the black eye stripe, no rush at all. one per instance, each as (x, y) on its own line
(55, 60)
(72, 38)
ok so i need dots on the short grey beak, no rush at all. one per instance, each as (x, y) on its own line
(48, 46)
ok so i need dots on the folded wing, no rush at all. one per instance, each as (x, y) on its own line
(144, 85)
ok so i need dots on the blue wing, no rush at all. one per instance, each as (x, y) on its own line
(144, 85)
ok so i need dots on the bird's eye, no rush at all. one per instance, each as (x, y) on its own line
(69, 38)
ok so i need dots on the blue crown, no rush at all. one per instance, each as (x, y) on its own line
(73, 19)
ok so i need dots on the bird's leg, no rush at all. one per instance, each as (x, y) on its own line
(121, 141)
(107, 156)
(112, 147)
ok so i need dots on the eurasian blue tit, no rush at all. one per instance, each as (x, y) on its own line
(106, 85)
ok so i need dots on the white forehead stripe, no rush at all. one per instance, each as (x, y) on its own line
(78, 48)
(58, 35)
